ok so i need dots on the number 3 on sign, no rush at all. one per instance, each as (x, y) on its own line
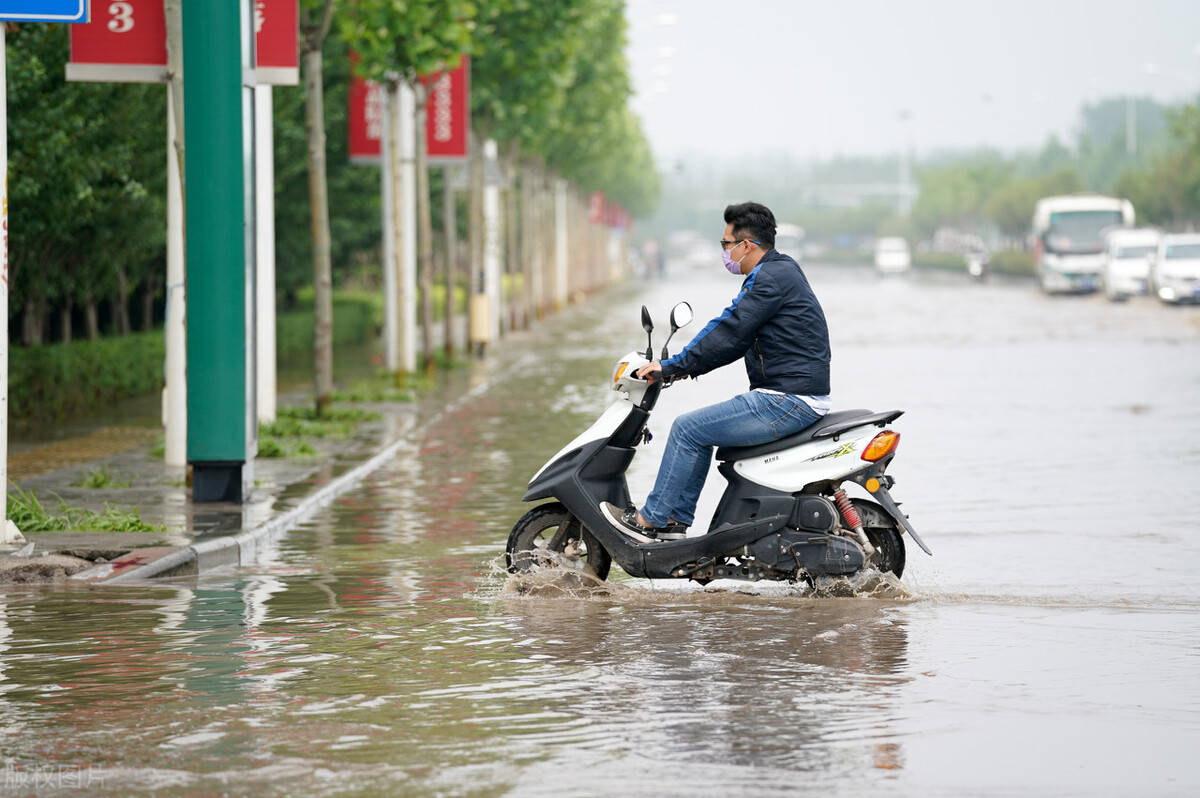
(122, 17)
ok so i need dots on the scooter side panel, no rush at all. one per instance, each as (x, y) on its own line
(791, 469)
(603, 427)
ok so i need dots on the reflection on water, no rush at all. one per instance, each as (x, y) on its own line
(1051, 645)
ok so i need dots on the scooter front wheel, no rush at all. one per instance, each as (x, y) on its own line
(548, 536)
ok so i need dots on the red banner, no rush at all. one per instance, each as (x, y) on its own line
(126, 42)
(366, 118)
(277, 41)
(448, 113)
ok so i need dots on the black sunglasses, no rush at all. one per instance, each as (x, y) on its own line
(726, 244)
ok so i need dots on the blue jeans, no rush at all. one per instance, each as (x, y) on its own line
(747, 419)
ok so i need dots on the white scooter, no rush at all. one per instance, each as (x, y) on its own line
(784, 515)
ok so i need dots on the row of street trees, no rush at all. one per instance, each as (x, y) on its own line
(549, 85)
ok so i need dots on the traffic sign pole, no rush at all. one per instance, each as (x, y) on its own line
(4, 285)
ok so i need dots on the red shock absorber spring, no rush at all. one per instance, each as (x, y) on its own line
(851, 516)
(848, 511)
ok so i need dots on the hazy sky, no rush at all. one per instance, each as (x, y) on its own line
(832, 77)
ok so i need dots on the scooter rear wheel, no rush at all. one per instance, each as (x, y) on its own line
(884, 534)
(548, 536)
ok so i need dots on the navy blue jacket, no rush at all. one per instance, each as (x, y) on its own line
(776, 324)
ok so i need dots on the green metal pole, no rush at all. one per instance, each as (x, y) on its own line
(219, 430)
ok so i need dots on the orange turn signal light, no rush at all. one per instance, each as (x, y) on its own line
(620, 372)
(881, 446)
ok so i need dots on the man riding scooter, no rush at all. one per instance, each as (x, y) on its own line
(776, 325)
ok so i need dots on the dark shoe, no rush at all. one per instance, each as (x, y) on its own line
(625, 521)
(672, 531)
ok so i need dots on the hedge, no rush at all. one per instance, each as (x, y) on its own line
(357, 316)
(58, 381)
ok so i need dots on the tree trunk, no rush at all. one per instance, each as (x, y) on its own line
(475, 256)
(425, 223)
(121, 303)
(449, 229)
(318, 198)
(33, 321)
(91, 318)
(528, 246)
(512, 260)
(64, 322)
(149, 293)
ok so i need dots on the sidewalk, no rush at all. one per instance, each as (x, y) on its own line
(204, 536)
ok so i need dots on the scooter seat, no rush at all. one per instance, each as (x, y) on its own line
(831, 425)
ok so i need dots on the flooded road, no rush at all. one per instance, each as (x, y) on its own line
(1050, 457)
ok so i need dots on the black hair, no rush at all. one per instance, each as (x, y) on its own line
(752, 220)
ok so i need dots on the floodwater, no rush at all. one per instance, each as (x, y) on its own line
(1050, 457)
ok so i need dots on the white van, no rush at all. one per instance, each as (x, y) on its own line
(1128, 254)
(1175, 275)
(1068, 247)
(892, 255)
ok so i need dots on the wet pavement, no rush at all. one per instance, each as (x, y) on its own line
(1052, 645)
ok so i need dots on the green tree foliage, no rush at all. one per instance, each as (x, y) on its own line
(87, 175)
(1011, 206)
(1167, 192)
(525, 54)
(552, 78)
(957, 194)
(407, 37)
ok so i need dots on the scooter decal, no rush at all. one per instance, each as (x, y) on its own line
(845, 449)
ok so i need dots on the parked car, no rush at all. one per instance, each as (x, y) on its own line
(1128, 254)
(892, 255)
(1175, 275)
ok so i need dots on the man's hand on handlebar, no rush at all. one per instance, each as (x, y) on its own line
(651, 372)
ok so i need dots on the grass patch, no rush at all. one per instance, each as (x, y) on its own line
(29, 515)
(367, 392)
(299, 428)
(159, 447)
(335, 415)
(272, 447)
(102, 477)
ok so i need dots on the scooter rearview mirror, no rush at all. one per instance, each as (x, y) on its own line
(648, 326)
(681, 316)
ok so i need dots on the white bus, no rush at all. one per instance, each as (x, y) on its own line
(1069, 239)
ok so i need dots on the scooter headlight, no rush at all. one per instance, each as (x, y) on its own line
(881, 446)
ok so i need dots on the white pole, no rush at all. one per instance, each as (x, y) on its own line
(175, 410)
(388, 218)
(3, 287)
(264, 201)
(405, 113)
(560, 242)
(491, 238)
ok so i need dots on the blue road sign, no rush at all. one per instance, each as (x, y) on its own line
(44, 10)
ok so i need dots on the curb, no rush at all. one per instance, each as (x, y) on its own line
(244, 547)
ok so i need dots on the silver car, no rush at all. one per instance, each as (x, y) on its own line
(1175, 276)
(1127, 257)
